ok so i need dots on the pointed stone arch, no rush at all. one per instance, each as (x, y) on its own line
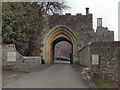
(59, 34)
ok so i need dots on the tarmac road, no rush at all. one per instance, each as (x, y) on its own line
(55, 76)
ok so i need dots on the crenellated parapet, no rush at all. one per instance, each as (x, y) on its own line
(70, 20)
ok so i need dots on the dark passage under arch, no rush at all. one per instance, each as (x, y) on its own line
(53, 48)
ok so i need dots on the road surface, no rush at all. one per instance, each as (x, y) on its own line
(56, 76)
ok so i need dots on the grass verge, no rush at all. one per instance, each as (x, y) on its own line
(102, 85)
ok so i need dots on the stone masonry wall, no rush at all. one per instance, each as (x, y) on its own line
(103, 34)
(84, 56)
(108, 59)
(22, 63)
(80, 25)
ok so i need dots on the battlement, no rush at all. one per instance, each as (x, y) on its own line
(69, 14)
(102, 29)
(82, 21)
(77, 14)
(103, 34)
(68, 19)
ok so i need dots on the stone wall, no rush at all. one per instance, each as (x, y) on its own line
(22, 63)
(108, 58)
(103, 34)
(80, 25)
(84, 56)
(119, 63)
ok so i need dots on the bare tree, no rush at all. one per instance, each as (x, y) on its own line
(53, 7)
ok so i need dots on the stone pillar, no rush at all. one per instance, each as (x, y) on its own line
(87, 10)
(99, 22)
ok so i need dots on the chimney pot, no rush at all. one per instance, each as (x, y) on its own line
(87, 10)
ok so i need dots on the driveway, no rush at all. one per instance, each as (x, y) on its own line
(55, 76)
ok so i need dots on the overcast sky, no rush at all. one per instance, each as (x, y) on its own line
(106, 9)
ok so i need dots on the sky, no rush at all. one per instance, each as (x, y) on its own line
(105, 9)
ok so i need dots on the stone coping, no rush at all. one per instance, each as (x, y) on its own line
(26, 57)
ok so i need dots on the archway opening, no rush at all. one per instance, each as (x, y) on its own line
(61, 51)
(53, 37)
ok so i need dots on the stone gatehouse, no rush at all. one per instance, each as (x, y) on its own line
(75, 29)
